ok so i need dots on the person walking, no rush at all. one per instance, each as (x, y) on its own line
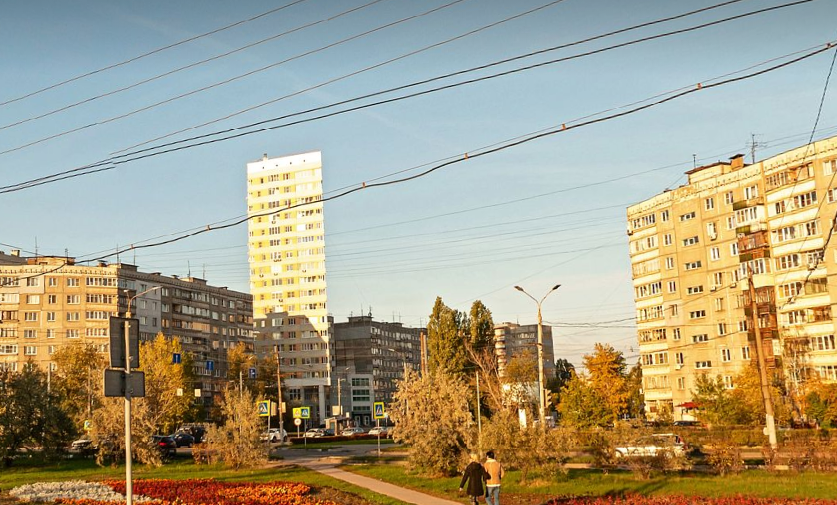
(494, 472)
(474, 476)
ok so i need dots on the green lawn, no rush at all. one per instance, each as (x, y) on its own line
(25, 472)
(593, 482)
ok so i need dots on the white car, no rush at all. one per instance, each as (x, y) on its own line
(350, 432)
(274, 435)
(662, 443)
(380, 430)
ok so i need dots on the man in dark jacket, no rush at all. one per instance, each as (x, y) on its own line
(474, 476)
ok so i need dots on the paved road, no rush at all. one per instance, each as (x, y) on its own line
(326, 462)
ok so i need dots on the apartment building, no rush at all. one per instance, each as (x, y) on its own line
(700, 250)
(286, 248)
(511, 339)
(50, 302)
(372, 356)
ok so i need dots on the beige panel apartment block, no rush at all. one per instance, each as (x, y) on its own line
(47, 303)
(287, 269)
(693, 252)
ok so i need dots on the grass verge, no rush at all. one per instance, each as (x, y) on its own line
(30, 471)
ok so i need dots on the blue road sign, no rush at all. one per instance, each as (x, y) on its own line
(176, 358)
(264, 408)
(252, 373)
(379, 412)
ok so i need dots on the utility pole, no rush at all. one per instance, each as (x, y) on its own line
(279, 391)
(770, 423)
(541, 378)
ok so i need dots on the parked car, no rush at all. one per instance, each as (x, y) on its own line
(83, 445)
(350, 432)
(688, 424)
(383, 431)
(658, 444)
(165, 444)
(183, 439)
(315, 433)
(274, 435)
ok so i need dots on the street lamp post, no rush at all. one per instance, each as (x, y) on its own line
(129, 485)
(541, 383)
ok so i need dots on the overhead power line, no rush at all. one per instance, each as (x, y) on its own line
(469, 156)
(149, 53)
(175, 71)
(425, 81)
(114, 162)
(237, 77)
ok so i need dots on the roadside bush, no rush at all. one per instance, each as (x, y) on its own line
(534, 451)
(725, 457)
(602, 447)
(236, 443)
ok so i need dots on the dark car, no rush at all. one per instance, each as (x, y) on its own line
(165, 444)
(689, 424)
(183, 439)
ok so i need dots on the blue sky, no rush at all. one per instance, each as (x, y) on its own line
(546, 212)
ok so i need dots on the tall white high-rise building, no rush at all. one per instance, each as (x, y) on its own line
(287, 272)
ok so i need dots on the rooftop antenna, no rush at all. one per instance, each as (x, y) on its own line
(117, 253)
(753, 145)
(135, 257)
(370, 311)
(66, 253)
(694, 160)
(188, 269)
(36, 246)
(203, 275)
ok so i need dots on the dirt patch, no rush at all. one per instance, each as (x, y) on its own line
(327, 493)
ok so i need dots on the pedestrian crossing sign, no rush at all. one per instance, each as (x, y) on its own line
(379, 412)
(264, 408)
(302, 412)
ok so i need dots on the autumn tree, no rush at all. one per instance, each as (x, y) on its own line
(236, 442)
(78, 380)
(821, 404)
(445, 343)
(582, 406)
(564, 371)
(433, 418)
(636, 398)
(481, 326)
(30, 414)
(748, 393)
(716, 407)
(607, 376)
(160, 411)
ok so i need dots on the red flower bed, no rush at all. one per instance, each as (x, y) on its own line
(684, 500)
(211, 492)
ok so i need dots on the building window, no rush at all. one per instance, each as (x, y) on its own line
(700, 337)
(30, 350)
(676, 334)
(33, 281)
(692, 265)
(669, 263)
(667, 239)
(688, 216)
(52, 282)
(703, 364)
(726, 355)
(678, 358)
(715, 253)
(822, 343)
(672, 286)
(709, 203)
(751, 192)
(50, 317)
(674, 310)
(690, 241)
(693, 290)
(697, 314)
(745, 352)
(722, 328)
(72, 282)
(30, 334)
(73, 316)
(719, 304)
(73, 299)
(664, 216)
(33, 299)
(30, 316)
(681, 383)
(733, 249)
(728, 382)
(728, 198)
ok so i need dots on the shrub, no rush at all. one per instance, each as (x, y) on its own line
(725, 457)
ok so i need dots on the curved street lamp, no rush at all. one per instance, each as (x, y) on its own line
(541, 390)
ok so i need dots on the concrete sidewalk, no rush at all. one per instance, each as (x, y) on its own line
(328, 466)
